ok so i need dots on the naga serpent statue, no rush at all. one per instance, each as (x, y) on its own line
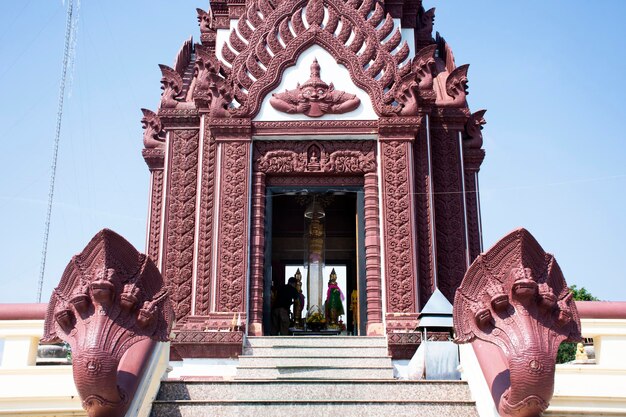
(515, 297)
(110, 305)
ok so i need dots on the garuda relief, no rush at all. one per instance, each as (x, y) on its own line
(315, 98)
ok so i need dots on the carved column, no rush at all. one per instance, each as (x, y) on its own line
(180, 217)
(396, 139)
(204, 256)
(424, 218)
(155, 210)
(372, 256)
(473, 158)
(257, 259)
(450, 219)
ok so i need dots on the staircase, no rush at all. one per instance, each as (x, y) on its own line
(314, 376)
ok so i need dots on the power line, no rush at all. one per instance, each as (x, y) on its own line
(66, 60)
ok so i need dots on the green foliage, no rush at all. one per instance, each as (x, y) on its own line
(582, 294)
(567, 351)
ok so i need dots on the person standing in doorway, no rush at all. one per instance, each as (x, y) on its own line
(285, 297)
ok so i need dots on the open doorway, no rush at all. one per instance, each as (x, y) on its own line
(343, 248)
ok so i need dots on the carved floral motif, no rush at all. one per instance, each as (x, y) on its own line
(398, 227)
(315, 98)
(233, 227)
(449, 219)
(110, 298)
(515, 297)
(180, 226)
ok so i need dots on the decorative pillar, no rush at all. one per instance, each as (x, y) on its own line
(396, 137)
(372, 256)
(204, 257)
(257, 258)
(180, 217)
(234, 138)
(450, 218)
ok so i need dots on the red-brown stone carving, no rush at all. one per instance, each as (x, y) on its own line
(398, 227)
(211, 88)
(338, 157)
(172, 86)
(315, 98)
(449, 221)
(515, 297)
(258, 57)
(180, 224)
(153, 139)
(424, 219)
(473, 129)
(233, 227)
(204, 274)
(156, 210)
(110, 298)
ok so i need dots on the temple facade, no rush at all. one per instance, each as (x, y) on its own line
(356, 106)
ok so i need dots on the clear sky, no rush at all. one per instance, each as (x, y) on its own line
(550, 74)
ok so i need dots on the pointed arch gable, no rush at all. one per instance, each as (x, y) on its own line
(269, 39)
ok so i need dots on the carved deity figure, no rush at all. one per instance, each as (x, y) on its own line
(334, 305)
(315, 98)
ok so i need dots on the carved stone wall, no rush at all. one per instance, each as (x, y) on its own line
(180, 212)
(232, 258)
(424, 219)
(399, 228)
(449, 219)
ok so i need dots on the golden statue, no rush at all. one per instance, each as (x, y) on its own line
(581, 355)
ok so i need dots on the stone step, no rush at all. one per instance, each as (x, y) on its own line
(314, 408)
(336, 390)
(345, 351)
(318, 361)
(315, 341)
(314, 372)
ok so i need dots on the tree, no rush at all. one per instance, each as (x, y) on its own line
(567, 350)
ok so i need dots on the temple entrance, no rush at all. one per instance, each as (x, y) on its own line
(288, 243)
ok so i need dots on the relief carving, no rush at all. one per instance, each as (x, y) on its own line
(110, 298)
(515, 297)
(315, 98)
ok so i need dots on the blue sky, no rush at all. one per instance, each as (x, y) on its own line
(549, 73)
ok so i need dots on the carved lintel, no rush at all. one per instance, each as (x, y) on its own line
(515, 297)
(398, 128)
(234, 129)
(179, 118)
(110, 298)
(473, 130)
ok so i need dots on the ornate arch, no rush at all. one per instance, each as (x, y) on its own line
(270, 38)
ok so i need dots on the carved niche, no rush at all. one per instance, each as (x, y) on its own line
(515, 297)
(110, 298)
(315, 98)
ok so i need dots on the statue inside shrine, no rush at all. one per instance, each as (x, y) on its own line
(334, 302)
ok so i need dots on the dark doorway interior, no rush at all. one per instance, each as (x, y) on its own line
(286, 244)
